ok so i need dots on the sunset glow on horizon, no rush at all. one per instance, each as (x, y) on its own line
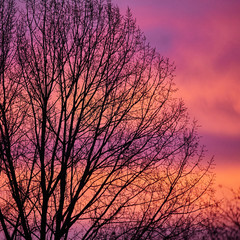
(202, 39)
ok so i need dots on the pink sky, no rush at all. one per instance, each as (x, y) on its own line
(203, 39)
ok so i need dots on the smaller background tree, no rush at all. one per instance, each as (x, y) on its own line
(222, 219)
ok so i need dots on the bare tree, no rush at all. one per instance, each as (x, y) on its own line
(222, 219)
(93, 143)
(12, 113)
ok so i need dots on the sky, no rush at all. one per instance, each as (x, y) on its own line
(202, 38)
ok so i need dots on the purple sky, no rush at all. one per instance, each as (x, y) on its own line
(203, 39)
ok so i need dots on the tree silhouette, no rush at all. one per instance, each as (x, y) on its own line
(94, 145)
(222, 220)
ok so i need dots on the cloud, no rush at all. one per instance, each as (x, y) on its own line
(207, 57)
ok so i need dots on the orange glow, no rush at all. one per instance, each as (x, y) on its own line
(228, 177)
